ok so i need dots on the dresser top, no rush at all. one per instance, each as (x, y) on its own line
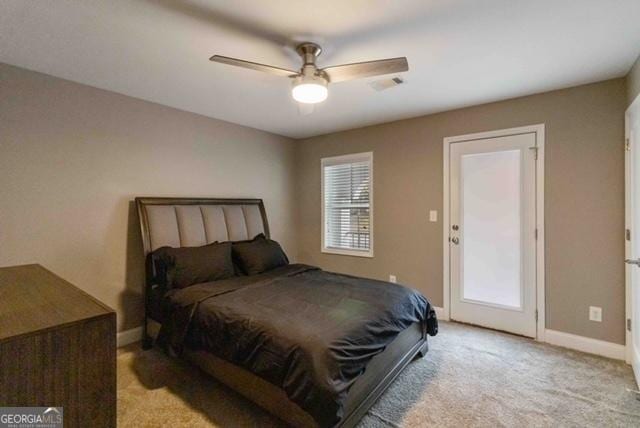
(33, 299)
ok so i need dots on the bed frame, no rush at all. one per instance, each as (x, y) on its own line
(181, 222)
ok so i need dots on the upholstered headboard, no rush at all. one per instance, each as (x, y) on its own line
(192, 222)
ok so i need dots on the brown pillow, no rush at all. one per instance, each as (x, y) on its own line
(258, 255)
(182, 267)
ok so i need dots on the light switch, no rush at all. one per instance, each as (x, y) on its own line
(433, 216)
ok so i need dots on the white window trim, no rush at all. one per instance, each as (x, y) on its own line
(355, 157)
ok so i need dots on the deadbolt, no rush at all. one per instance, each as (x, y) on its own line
(455, 227)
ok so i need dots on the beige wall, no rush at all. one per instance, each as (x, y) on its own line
(584, 200)
(633, 82)
(72, 158)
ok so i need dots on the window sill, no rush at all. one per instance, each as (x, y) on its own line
(354, 253)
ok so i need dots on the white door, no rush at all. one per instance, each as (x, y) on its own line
(632, 247)
(492, 233)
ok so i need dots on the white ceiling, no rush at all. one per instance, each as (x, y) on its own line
(461, 52)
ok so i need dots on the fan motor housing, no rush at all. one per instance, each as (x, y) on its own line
(309, 52)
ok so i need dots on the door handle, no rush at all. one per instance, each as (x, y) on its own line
(456, 241)
(632, 262)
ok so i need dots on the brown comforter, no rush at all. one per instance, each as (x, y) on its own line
(306, 331)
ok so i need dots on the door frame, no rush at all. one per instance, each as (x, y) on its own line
(628, 191)
(539, 131)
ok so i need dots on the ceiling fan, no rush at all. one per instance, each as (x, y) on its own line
(310, 83)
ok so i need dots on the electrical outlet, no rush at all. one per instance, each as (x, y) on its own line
(392, 278)
(433, 216)
(595, 313)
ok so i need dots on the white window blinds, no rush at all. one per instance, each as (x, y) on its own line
(347, 197)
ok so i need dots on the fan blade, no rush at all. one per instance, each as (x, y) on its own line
(358, 70)
(253, 66)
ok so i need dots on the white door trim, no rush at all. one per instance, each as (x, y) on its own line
(540, 264)
(628, 190)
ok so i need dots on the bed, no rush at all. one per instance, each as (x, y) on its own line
(314, 348)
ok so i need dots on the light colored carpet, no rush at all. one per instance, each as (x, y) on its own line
(471, 377)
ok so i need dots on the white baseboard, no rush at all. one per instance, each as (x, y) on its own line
(585, 344)
(439, 313)
(129, 336)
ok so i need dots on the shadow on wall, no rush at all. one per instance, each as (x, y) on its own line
(132, 297)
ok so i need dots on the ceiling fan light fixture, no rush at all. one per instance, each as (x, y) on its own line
(309, 84)
(309, 89)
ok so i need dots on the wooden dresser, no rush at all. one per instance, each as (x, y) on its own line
(57, 347)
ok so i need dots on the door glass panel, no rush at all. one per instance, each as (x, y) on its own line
(490, 230)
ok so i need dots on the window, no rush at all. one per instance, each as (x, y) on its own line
(347, 205)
